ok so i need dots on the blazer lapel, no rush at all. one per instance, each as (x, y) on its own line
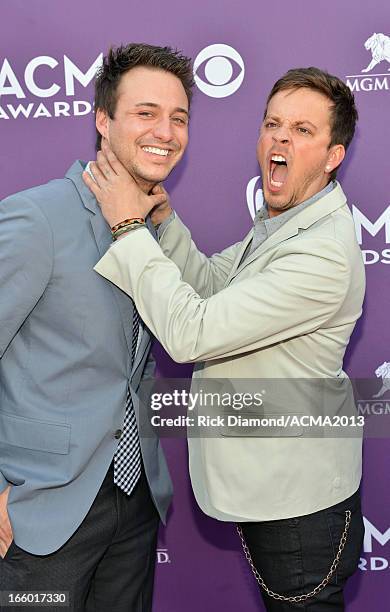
(103, 241)
(301, 221)
(290, 229)
(240, 255)
(145, 339)
(100, 228)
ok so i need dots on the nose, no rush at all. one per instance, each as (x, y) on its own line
(281, 134)
(163, 129)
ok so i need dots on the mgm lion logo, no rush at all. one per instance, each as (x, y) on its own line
(384, 372)
(379, 44)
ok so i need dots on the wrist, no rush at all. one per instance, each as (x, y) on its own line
(126, 222)
(120, 216)
(125, 227)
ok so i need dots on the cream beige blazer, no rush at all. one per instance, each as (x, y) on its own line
(287, 311)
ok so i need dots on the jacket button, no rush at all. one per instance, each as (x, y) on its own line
(118, 434)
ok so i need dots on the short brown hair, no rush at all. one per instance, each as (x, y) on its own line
(121, 59)
(343, 114)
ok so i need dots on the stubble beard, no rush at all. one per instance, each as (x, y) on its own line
(298, 197)
(146, 181)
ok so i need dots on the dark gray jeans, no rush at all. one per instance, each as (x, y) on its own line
(294, 555)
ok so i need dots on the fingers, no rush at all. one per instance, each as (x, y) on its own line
(91, 184)
(104, 166)
(98, 174)
(111, 158)
(158, 189)
(161, 198)
(6, 535)
(157, 199)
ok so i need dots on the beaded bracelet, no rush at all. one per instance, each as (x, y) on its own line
(126, 222)
(127, 228)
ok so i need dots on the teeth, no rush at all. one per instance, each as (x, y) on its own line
(163, 152)
(276, 183)
(278, 158)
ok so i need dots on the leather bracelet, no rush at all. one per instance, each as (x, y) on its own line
(125, 222)
(127, 228)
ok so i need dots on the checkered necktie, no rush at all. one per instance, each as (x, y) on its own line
(127, 459)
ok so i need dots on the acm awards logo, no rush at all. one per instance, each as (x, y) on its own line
(373, 227)
(219, 70)
(373, 538)
(379, 47)
(21, 92)
(365, 226)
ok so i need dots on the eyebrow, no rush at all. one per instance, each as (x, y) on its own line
(296, 123)
(178, 109)
(306, 121)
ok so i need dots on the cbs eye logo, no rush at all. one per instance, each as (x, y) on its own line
(254, 196)
(221, 64)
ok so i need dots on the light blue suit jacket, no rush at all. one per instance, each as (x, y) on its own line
(65, 363)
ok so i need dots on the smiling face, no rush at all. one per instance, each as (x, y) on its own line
(293, 148)
(149, 132)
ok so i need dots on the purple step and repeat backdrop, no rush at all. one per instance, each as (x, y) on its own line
(49, 51)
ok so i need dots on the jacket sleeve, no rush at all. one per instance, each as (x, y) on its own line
(206, 275)
(296, 294)
(26, 260)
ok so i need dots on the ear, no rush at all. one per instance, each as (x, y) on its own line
(336, 155)
(102, 122)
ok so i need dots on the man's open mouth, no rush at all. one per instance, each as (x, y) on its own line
(278, 171)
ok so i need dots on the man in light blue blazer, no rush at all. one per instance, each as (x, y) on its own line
(81, 493)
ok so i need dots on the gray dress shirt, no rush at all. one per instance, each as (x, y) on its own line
(264, 226)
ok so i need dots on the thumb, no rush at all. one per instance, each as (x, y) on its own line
(158, 189)
(157, 199)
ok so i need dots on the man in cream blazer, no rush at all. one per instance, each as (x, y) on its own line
(280, 304)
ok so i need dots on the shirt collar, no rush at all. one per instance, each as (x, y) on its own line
(274, 223)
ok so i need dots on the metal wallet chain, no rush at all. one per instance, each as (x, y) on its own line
(322, 585)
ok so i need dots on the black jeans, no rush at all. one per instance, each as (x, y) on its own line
(294, 555)
(107, 564)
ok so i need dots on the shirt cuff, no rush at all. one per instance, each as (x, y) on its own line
(162, 227)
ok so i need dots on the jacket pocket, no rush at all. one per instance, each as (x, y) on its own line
(33, 434)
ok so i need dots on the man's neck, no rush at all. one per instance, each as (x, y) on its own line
(311, 198)
(145, 186)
